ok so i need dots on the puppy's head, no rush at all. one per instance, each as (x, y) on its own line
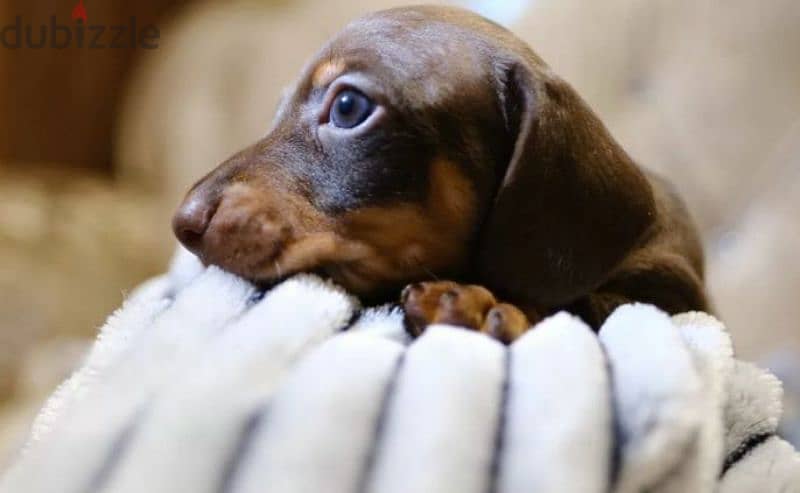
(422, 142)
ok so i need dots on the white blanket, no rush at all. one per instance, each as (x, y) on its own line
(200, 384)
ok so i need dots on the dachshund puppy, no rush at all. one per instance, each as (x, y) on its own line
(428, 143)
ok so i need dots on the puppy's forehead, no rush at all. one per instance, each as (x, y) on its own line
(408, 49)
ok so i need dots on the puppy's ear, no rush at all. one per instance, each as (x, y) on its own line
(570, 204)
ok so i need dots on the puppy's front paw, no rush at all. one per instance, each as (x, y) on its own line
(465, 305)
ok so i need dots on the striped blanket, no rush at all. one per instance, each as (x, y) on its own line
(200, 383)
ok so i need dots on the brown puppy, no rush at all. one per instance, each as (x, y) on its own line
(428, 143)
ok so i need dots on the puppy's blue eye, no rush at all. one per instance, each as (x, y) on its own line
(350, 109)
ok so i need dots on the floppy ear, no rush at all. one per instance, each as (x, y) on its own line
(571, 203)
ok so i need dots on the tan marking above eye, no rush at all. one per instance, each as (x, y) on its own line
(326, 72)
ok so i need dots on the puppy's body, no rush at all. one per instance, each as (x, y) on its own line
(665, 268)
(428, 143)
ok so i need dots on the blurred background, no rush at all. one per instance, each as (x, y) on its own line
(98, 146)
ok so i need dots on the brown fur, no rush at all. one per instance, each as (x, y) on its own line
(478, 164)
(326, 72)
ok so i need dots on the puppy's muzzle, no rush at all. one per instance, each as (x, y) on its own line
(234, 231)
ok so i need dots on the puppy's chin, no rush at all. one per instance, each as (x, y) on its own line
(372, 279)
(267, 283)
(357, 277)
(374, 273)
(324, 254)
(268, 272)
(351, 276)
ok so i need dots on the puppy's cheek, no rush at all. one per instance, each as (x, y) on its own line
(414, 241)
(452, 199)
(400, 243)
(413, 254)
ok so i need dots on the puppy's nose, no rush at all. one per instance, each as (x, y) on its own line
(191, 221)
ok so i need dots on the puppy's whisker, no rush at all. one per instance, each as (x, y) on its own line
(278, 268)
(429, 272)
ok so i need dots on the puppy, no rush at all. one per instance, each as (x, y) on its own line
(428, 143)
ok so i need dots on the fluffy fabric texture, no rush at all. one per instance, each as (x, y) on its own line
(200, 383)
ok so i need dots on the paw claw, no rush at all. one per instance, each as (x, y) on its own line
(408, 291)
(494, 318)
